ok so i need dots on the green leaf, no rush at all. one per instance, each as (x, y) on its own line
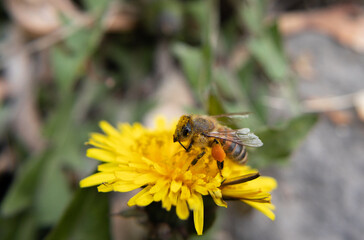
(276, 36)
(196, 20)
(21, 193)
(253, 13)
(226, 85)
(124, 53)
(53, 193)
(191, 59)
(246, 73)
(265, 51)
(20, 227)
(96, 6)
(66, 69)
(69, 59)
(214, 105)
(279, 143)
(208, 45)
(253, 93)
(87, 217)
(264, 43)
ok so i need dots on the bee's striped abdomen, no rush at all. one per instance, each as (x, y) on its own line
(235, 151)
(242, 157)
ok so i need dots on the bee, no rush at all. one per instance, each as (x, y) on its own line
(207, 132)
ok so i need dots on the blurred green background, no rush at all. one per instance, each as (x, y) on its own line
(66, 65)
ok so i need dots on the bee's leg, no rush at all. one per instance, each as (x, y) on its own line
(218, 154)
(198, 157)
(220, 165)
(190, 146)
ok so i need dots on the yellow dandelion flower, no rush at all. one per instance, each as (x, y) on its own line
(135, 157)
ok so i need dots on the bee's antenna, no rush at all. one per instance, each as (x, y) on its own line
(183, 146)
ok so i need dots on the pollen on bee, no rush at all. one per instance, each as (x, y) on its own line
(218, 152)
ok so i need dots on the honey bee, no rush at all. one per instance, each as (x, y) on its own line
(207, 132)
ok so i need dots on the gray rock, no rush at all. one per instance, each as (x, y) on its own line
(321, 191)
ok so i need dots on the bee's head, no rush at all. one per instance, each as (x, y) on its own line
(183, 130)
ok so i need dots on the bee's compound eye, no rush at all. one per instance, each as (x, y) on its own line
(186, 130)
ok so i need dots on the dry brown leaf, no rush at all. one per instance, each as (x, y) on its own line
(326, 104)
(42, 17)
(120, 17)
(340, 117)
(344, 22)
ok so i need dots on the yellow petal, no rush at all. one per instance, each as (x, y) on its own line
(96, 179)
(201, 189)
(173, 197)
(127, 175)
(185, 192)
(182, 209)
(162, 193)
(217, 197)
(193, 201)
(105, 187)
(108, 129)
(146, 178)
(166, 203)
(265, 208)
(125, 187)
(100, 140)
(108, 167)
(260, 197)
(130, 130)
(144, 199)
(267, 183)
(198, 216)
(242, 192)
(176, 185)
(160, 169)
(158, 186)
(134, 164)
(100, 154)
(132, 201)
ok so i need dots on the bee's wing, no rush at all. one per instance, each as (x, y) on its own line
(233, 115)
(224, 116)
(249, 138)
(230, 118)
(240, 136)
